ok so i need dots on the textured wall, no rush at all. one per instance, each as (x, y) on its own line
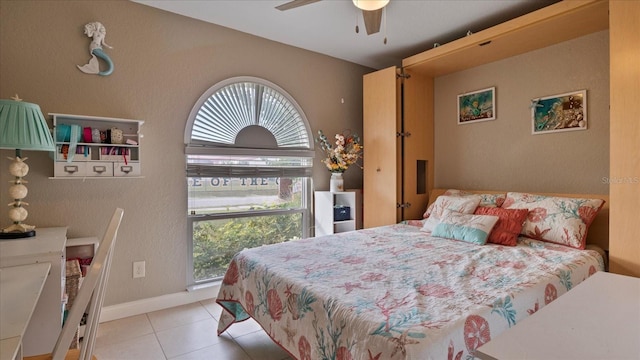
(163, 63)
(502, 154)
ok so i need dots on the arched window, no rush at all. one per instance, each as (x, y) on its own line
(249, 153)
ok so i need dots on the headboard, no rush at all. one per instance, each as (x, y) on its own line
(598, 231)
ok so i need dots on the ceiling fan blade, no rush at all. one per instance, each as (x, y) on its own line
(372, 20)
(294, 4)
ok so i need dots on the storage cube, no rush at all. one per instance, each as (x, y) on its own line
(341, 213)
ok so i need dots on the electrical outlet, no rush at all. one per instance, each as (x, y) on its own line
(138, 269)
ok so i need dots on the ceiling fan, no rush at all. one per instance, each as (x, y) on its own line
(371, 11)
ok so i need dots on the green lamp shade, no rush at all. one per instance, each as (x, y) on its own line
(22, 126)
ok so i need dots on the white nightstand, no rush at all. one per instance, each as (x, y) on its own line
(46, 322)
(325, 201)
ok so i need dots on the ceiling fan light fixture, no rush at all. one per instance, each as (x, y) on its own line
(370, 5)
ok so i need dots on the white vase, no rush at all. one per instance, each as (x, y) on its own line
(336, 184)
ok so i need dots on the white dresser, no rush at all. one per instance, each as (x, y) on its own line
(46, 322)
(598, 319)
(20, 289)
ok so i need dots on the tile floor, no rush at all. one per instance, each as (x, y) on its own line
(185, 332)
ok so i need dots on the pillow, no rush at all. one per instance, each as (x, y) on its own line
(489, 200)
(558, 220)
(470, 228)
(492, 200)
(508, 226)
(417, 223)
(461, 204)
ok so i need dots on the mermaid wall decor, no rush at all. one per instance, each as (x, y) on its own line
(97, 32)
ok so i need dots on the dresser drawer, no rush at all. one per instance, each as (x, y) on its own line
(130, 169)
(70, 168)
(98, 169)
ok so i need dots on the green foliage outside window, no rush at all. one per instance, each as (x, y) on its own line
(215, 242)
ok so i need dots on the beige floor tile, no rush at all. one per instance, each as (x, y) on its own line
(177, 316)
(123, 329)
(145, 347)
(243, 328)
(213, 308)
(184, 333)
(226, 349)
(259, 346)
(188, 338)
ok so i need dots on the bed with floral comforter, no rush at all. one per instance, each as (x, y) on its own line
(395, 292)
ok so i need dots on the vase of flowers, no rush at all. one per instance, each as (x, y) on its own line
(344, 152)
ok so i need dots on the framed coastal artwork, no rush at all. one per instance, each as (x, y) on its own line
(556, 113)
(476, 106)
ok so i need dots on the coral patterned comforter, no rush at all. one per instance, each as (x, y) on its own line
(394, 292)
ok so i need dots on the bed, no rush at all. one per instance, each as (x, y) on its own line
(400, 292)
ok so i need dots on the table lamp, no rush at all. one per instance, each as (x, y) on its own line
(22, 127)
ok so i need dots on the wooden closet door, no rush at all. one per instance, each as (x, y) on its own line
(418, 153)
(381, 117)
(624, 165)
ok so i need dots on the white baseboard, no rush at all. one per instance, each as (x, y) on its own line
(119, 311)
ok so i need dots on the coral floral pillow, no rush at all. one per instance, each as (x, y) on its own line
(509, 224)
(559, 220)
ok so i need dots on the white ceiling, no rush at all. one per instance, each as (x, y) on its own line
(328, 26)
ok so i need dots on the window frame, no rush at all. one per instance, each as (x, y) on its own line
(196, 147)
(192, 219)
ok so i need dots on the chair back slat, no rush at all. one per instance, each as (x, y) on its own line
(91, 329)
(90, 293)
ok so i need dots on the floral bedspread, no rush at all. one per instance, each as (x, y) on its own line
(394, 292)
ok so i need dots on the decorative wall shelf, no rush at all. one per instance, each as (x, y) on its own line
(105, 148)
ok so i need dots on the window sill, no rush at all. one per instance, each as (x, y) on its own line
(213, 285)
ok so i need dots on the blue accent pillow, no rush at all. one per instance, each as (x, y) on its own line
(470, 228)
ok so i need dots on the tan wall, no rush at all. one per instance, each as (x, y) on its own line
(502, 154)
(163, 63)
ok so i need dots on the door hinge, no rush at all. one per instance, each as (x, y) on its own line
(403, 134)
(403, 205)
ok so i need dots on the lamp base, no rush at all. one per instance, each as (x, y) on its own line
(17, 235)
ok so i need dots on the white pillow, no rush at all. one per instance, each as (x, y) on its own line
(464, 204)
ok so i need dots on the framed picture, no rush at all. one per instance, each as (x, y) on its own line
(477, 106)
(564, 112)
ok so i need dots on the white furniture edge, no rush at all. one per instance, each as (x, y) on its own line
(10, 348)
(597, 319)
(20, 314)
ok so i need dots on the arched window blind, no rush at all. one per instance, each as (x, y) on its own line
(247, 126)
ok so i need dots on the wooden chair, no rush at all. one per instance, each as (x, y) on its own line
(90, 294)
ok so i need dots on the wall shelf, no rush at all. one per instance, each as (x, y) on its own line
(100, 159)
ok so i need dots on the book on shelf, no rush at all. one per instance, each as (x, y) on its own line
(115, 153)
(82, 153)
